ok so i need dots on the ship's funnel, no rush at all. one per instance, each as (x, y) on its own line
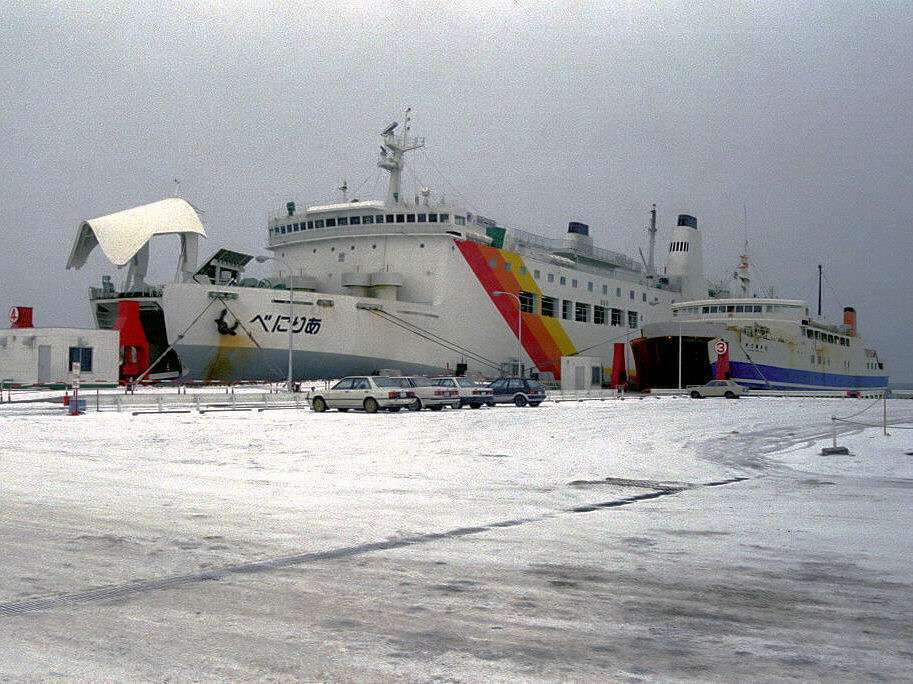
(849, 319)
(685, 263)
(578, 239)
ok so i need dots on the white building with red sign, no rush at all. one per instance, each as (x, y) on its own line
(32, 356)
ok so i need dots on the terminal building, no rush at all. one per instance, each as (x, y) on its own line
(31, 356)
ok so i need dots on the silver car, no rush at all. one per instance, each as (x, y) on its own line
(471, 393)
(717, 388)
(365, 392)
(427, 394)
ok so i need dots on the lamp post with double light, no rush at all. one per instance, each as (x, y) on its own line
(519, 327)
(262, 259)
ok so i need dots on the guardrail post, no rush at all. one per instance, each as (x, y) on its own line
(834, 429)
(117, 402)
(884, 411)
(158, 401)
(196, 402)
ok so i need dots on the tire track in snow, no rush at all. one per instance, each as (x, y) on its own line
(128, 589)
(751, 452)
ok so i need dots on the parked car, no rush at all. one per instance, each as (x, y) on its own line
(517, 391)
(716, 388)
(366, 392)
(471, 393)
(426, 392)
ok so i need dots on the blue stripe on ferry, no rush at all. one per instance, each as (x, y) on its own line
(748, 373)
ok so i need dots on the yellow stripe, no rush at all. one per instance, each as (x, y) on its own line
(553, 325)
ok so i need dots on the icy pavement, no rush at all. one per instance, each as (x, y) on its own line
(655, 538)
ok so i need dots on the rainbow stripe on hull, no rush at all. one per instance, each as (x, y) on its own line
(544, 338)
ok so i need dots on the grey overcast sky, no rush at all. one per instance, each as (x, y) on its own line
(536, 113)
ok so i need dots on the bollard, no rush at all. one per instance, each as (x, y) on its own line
(834, 450)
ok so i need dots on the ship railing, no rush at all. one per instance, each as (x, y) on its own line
(110, 293)
(366, 230)
(607, 256)
(592, 394)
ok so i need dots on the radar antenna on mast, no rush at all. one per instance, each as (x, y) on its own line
(393, 150)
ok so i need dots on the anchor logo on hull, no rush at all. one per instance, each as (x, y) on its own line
(223, 326)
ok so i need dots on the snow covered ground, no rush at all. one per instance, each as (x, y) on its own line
(646, 538)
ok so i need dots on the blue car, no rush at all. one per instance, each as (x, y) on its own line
(516, 391)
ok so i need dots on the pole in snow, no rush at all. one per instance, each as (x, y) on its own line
(519, 328)
(291, 297)
(680, 355)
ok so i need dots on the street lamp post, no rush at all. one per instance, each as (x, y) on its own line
(291, 296)
(519, 327)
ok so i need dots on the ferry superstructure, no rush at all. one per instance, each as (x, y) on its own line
(410, 282)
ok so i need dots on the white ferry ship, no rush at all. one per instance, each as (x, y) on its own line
(764, 343)
(410, 282)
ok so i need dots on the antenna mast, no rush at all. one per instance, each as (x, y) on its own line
(392, 152)
(651, 270)
(742, 273)
(819, 290)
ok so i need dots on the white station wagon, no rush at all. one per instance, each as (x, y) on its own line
(364, 392)
(427, 394)
(471, 393)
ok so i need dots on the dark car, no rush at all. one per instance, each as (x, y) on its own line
(517, 391)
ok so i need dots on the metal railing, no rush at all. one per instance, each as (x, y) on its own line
(103, 293)
(363, 230)
(608, 256)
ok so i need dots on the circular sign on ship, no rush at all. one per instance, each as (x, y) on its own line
(721, 347)
(14, 314)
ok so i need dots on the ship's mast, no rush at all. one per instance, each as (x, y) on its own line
(742, 274)
(651, 270)
(392, 151)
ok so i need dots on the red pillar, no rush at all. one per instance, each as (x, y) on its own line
(619, 374)
(134, 347)
(722, 365)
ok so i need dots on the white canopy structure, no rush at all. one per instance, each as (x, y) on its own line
(124, 236)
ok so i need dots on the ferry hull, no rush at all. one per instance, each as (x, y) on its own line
(236, 364)
(469, 320)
